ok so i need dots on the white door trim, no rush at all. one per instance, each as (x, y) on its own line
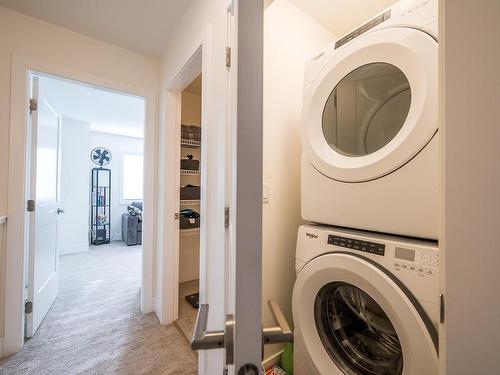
(197, 61)
(17, 238)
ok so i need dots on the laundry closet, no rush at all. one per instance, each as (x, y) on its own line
(189, 205)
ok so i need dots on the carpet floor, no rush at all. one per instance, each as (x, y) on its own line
(96, 327)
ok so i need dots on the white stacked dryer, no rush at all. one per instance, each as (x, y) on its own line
(370, 126)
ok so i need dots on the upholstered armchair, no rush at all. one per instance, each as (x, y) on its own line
(132, 225)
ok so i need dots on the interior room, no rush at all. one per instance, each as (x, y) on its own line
(278, 187)
(91, 141)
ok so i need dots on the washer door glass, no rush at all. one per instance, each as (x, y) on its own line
(356, 332)
(366, 109)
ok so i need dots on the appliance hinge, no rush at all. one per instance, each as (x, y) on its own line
(33, 105)
(226, 217)
(228, 57)
(441, 308)
(28, 307)
(31, 205)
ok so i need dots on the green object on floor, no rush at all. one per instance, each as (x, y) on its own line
(286, 362)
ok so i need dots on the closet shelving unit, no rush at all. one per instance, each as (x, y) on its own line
(189, 172)
(189, 175)
(190, 232)
(188, 143)
(190, 202)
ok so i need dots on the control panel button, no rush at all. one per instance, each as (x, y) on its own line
(351, 243)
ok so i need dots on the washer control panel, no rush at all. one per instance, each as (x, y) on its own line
(422, 262)
(351, 243)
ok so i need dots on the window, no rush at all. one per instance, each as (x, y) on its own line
(132, 179)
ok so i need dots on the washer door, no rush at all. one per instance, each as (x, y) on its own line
(373, 106)
(355, 319)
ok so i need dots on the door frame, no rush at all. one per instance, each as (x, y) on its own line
(196, 62)
(18, 228)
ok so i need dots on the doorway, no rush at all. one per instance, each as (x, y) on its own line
(189, 204)
(132, 160)
(86, 192)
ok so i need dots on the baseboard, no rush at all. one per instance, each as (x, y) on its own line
(272, 360)
(74, 248)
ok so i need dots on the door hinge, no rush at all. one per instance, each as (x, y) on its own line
(31, 205)
(33, 105)
(228, 57)
(226, 217)
(28, 307)
(441, 308)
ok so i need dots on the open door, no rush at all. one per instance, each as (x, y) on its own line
(244, 263)
(44, 209)
(243, 337)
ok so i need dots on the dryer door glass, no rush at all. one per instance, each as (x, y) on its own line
(366, 109)
(356, 332)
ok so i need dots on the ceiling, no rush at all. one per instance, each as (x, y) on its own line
(106, 111)
(117, 21)
(143, 26)
(341, 16)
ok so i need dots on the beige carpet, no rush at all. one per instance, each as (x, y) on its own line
(187, 313)
(96, 327)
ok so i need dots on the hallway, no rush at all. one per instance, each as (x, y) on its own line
(96, 327)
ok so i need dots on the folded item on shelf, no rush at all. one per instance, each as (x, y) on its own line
(191, 132)
(190, 164)
(189, 192)
(189, 213)
(189, 219)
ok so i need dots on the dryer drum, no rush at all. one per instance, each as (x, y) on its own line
(366, 109)
(356, 332)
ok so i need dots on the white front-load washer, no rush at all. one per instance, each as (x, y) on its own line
(370, 126)
(365, 304)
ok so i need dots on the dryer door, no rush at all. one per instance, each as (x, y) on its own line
(354, 318)
(373, 106)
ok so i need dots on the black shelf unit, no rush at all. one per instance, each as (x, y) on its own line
(100, 206)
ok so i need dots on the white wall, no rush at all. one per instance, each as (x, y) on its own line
(470, 237)
(118, 145)
(30, 37)
(296, 37)
(42, 41)
(74, 223)
(290, 38)
(202, 15)
(191, 108)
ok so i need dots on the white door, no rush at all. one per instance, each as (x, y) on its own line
(242, 336)
(43, 282)
(244, 289)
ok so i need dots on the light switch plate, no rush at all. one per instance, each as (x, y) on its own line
(265, 192)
